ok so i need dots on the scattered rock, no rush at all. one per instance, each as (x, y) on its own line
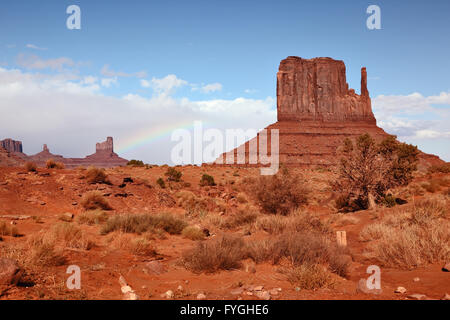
(446, 267)
(249, 266)
(400, 290)
(446, 297)
(416, 279)
(180, 288)
(258, 288)
(74, 203)
(264, 295)
(237, 292)
(169, 294)
(67, 216)
(154, 267)
(15, 217)
(126, 289)
(417, 296)
(274, 292)
(362, 287)
(249, 293)
(201, 296)
(10, 272)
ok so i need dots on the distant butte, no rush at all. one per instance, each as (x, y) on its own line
(104, 156)
(316, 111)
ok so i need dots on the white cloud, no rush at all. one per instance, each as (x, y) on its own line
(32, 46)
(33, 62)
(108, 82)
(107, 72)
(145, 83)
(70, 114)
(212, 87)
(167, 84)
(417, 119)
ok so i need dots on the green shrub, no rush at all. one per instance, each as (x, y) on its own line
(173, 174)
(161, 183)
(207, 180)
(135, 163)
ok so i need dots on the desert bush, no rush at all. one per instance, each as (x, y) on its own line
(161, 183)
(193, 233)
(280, 193)
(140, 246)
(8, 230)
(136, 163)
(207, 180)
(173, 174)
(96, 175)
(30, 167)
(52, 164)
(413, 237)
(92, 217)
(367, 169)
(308, 277)
(140, 223)
(224, 253)
(94, 200)
(241, 198)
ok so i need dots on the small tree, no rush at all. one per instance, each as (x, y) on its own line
(367, 169)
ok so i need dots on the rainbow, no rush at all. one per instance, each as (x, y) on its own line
(148, 135)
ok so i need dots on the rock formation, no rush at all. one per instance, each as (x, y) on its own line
(317, 90)
(316, 111)
(11, 145)
(103, 157)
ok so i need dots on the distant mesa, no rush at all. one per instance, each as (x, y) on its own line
(104, 156)
(316, 111)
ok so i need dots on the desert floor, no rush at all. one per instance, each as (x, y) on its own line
(32, 203)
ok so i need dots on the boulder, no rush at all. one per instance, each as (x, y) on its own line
(10, 272)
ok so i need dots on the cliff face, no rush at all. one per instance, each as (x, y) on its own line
(11, 145)
(316, 112)
(316, 89)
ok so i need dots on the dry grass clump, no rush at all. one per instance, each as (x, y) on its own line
(92, 217)
(141, 223)
(280, 193)
(41, 251)
(94, 200)
(411, 237)
(30, 167)
(297, 221)
(140, 246)
(308, 277)
(52, 164)
(8, 230)
(225, 253)
(193, 233)
(239, 219)
(70, 236)
(96, 175)
(297, 249)
(198, 205)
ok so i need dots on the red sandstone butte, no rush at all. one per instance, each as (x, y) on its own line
(316, 111)
(104, 156)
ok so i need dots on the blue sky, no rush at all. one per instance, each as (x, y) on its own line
(218, 52)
